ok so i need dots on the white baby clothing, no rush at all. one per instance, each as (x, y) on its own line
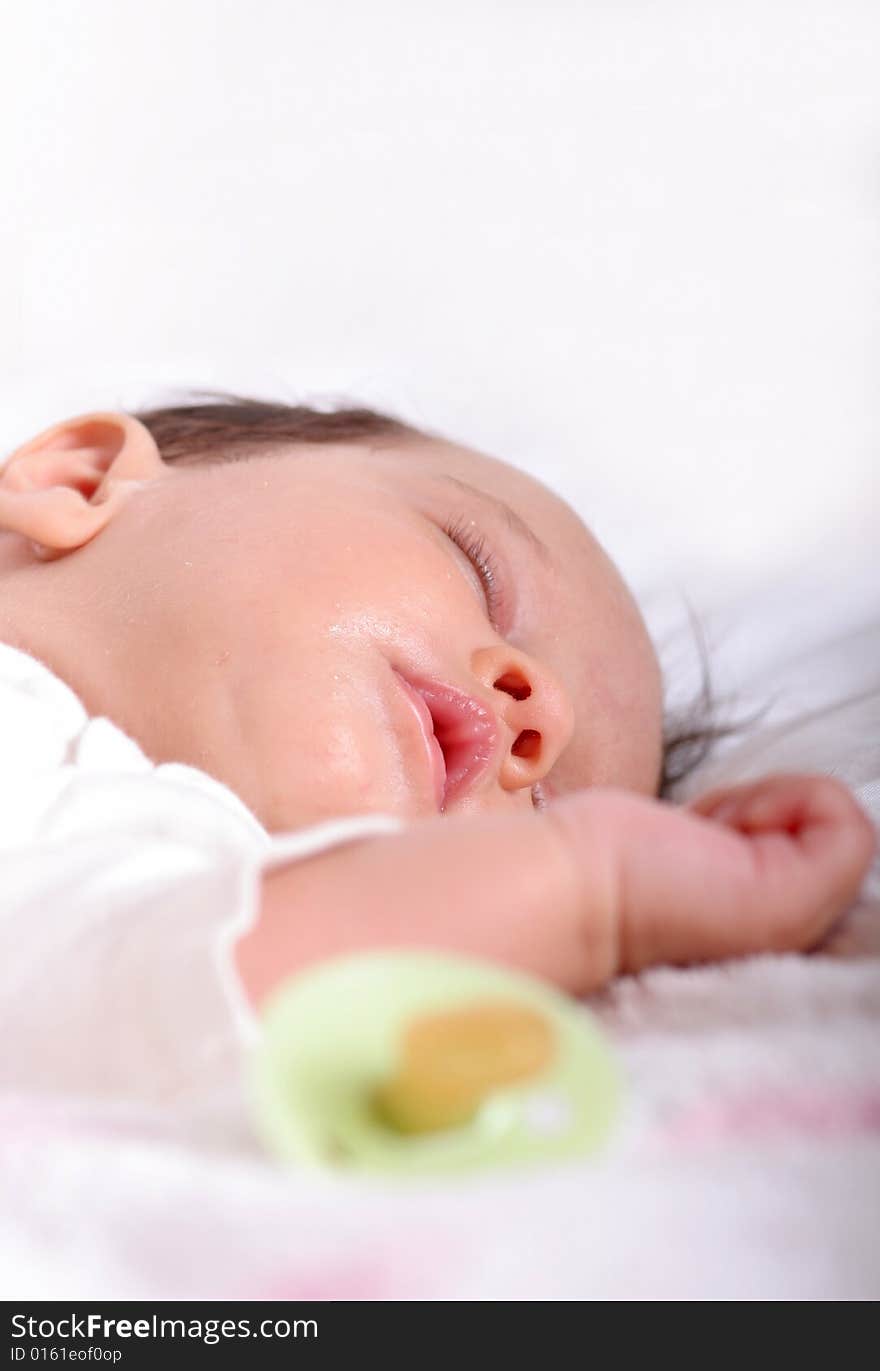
(123, 886)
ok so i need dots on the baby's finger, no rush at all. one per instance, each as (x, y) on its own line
(785, 801)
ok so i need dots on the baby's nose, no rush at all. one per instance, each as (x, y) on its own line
(535, 707)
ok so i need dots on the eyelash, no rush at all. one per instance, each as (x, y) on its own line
(481, 559)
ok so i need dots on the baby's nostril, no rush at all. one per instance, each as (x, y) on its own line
(528, 743)
(513, 685)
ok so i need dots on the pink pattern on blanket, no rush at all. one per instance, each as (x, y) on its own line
(340, 1283)
(763, 1114)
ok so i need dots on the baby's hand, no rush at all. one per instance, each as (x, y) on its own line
(811, 840)
(601, 882)
(765, 866)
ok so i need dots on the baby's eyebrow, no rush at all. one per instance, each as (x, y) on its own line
(514, 521)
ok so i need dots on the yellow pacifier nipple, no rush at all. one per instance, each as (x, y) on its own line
(452, 1060)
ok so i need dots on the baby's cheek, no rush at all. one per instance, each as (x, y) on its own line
(340, 758)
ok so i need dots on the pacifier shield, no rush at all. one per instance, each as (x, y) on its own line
(416, 1063)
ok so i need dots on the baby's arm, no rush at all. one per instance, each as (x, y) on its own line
(601, 882)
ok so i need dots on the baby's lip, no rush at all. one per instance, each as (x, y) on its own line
(433, 750)
(461, 734)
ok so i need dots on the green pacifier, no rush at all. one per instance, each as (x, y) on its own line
(418, 1063)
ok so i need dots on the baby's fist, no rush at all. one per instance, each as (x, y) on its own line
(763, 867)
(811, 845)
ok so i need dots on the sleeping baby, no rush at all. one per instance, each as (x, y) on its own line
(278, 684)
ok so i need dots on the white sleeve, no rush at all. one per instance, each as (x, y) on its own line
(287, 848)
(117, 918)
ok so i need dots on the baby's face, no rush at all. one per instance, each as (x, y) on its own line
(331, 623)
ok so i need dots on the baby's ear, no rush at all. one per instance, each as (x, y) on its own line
(62, 487)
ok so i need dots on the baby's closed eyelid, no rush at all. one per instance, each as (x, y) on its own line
(465, 535)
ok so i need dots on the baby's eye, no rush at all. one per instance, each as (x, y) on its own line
(481, 559)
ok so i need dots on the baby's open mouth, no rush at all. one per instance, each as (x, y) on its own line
(460, 733)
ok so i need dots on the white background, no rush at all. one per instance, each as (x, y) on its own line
(630, 246)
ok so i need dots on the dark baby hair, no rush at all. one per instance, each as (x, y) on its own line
(224, 427)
